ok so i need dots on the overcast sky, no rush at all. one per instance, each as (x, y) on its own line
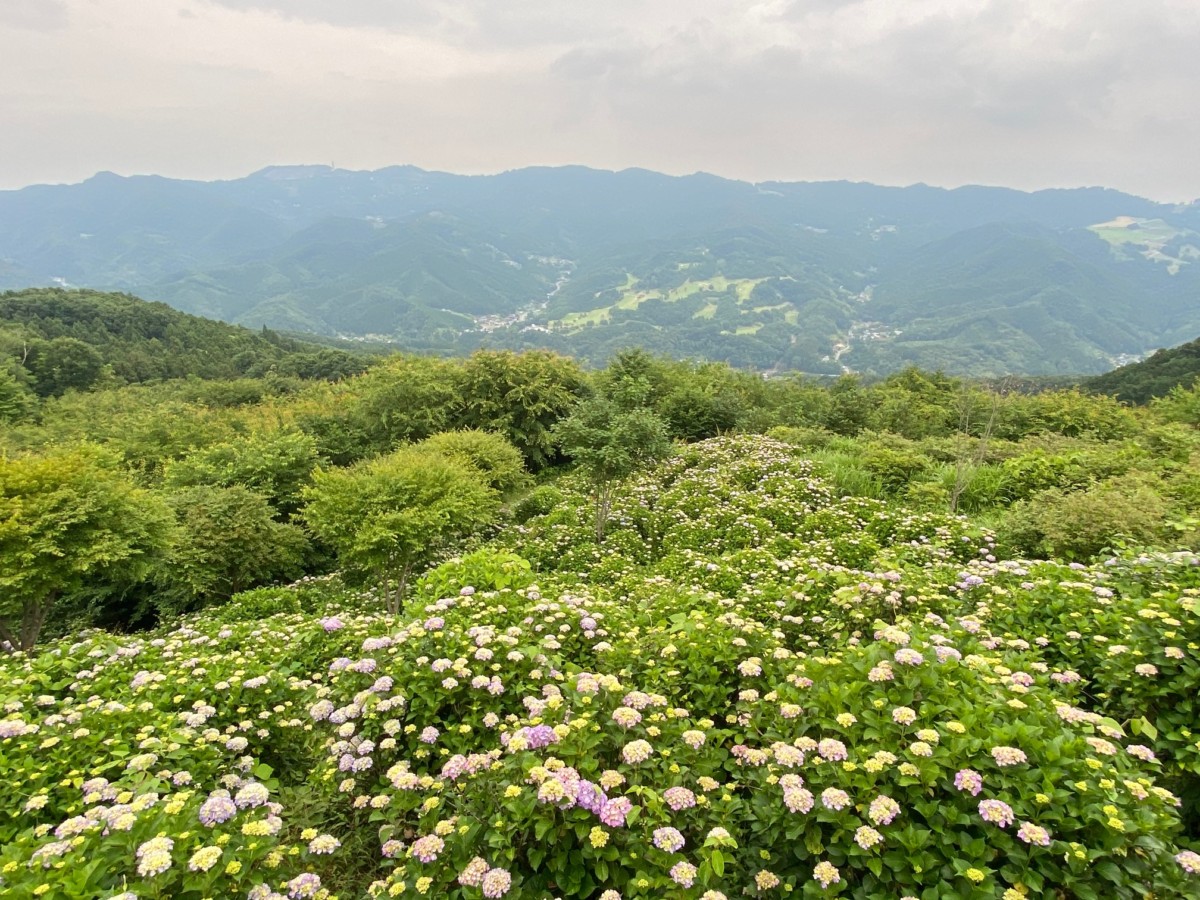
(1025, 93)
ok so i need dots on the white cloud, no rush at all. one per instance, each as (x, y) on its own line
(35, 15)
(945, 91)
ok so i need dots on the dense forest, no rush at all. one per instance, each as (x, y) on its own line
(54, 340)
(307, 623)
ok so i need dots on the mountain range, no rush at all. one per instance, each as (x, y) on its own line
(821, 277)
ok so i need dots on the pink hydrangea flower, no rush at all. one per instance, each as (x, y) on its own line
(997, 812)
(496, 883)
(1008, 756)
(969, 780)
(883, 810)
(668, 839)
(1034, 834)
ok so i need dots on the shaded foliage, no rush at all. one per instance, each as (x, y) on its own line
(227, 541)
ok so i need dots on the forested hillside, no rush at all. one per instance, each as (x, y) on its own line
(1156, 376)
(813, 277)
(53, 340)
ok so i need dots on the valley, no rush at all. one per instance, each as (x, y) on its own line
(816, 277)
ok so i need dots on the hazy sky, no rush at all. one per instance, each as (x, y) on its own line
(1027, 93)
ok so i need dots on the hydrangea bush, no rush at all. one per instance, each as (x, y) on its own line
(752, 688)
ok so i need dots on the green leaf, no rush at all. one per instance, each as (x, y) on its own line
(535, 855)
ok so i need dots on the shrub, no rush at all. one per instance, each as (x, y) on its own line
(250, 606)
(483, 570)
(226, 541)
(894, 468)
(809, 438)
(1077, 525)
(541, 501)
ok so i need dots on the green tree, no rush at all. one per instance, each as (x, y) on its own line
(325, 364)
(635, 378)
(609, 444)
(16, 400)
(275, 464)
(400, 400)
(146, 424)
(62, 364)
(1070, 413)
(695, 414)
(1181, 404)
(498, 461)
(520, 395)
(405, 399)
(849, 406)
(227, 541)
(916, 404)
(67, 520)
(388, 517)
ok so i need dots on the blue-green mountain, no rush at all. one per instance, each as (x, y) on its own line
(815, 277)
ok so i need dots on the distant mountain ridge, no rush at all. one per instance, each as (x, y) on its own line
(817, 277)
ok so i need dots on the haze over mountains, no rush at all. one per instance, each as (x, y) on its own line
(814, 277)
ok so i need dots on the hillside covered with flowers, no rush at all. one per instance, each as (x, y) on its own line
(748, 686)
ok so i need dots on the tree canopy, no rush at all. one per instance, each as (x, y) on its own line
(387, 516)
(227, 541)
(67, 519)
(78, 339)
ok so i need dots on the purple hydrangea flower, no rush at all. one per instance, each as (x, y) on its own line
(217, 809)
